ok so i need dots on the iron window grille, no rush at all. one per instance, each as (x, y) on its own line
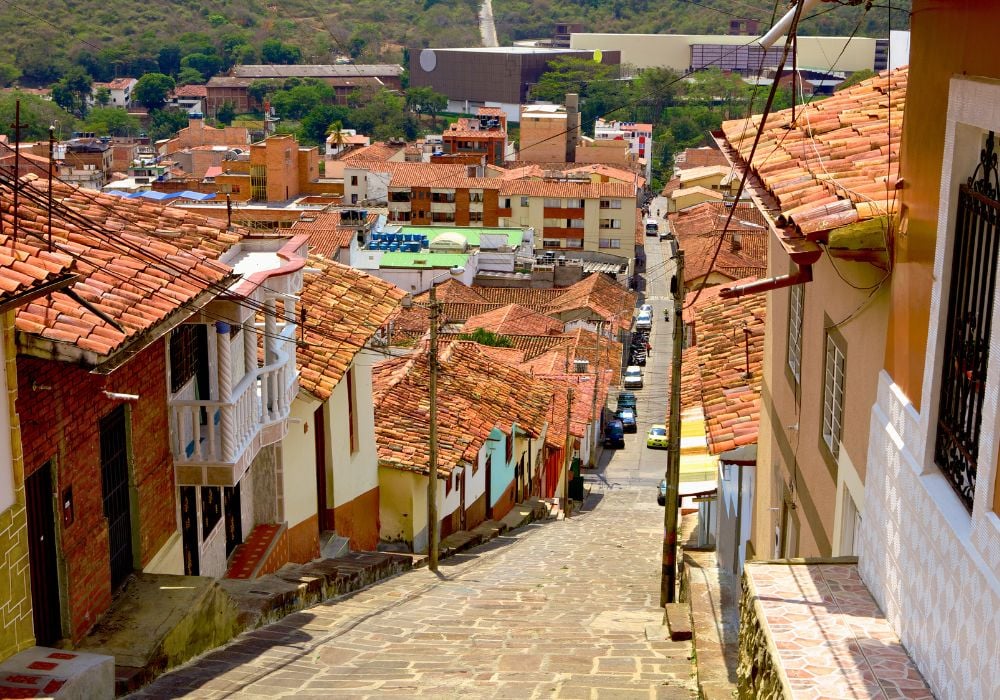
(967, 331)
(795, 307)
(833, 396)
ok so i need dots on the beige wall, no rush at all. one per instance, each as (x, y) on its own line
(353, 473)
(542, 139)
(402, 506)
(298, 449)
(674, 50)
(791, 417)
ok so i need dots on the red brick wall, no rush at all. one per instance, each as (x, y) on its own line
(60, 421)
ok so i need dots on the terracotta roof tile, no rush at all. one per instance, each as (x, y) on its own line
(326, 233)
(514, 319)
(714, 368)
(699, 157)
(378, 151)
(345, 308)
(476, 393)
(160, 260)
(837, 162)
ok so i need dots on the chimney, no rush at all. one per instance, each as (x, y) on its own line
(736, 245)
(572, 125)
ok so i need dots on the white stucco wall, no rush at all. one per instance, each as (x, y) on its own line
(298, 450)
(6, 455)
(353, 474)
(475, 483)
(933, 567)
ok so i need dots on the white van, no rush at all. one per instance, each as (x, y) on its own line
(652, 227)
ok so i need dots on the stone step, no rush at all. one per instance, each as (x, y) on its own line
(41, 672)
(679, 621)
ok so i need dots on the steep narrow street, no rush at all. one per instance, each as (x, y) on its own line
(560, 609)
(487, 27)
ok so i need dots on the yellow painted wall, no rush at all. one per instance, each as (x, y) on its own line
(947, 38)
(401, 516)
(298, 449)
(16, 630)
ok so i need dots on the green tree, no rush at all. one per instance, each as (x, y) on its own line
(485, 337)
(226, 113)
(381, 116)
(318, 123)
(102, 96)
(152, 89)
(424, 100)
(365, 40)
(9, 73)
(165, 123)
(36, 114)
(567, 75)
(258, 90)
(276, 51)
(208, 64)
(113, 121)
(301, 99)
(190, 76)
(73, 90)
(169, 59)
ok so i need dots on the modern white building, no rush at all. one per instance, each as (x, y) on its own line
(638, 135)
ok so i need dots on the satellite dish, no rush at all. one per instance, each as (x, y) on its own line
(428, 60)
(598, 56)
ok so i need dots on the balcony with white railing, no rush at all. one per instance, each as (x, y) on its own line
(239, 398)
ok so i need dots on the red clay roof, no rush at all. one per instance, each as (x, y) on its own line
(28, 265)
(582, 409)
(191, 91)
(378, 151)
(700, 157)
(715, 368)
(344, 309)
(161, 260)
(476, 393)
(838, 162)
(514, 319)
(326, 233)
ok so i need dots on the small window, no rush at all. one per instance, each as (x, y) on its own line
(833, 396)
(524, 201)
(354, 180)
(795, 308)
(352, 411)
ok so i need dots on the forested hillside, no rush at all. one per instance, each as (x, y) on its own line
(521, 19)
(123, 37)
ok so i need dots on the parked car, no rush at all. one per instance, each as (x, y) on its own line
(614, 434)
(661, 493)
(644, 321)
(632, 379)
(652, 227)
(657, 436)
(646, 309)
(627, 417)
(626, 399)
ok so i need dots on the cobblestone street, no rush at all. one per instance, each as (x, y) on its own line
(558, 609)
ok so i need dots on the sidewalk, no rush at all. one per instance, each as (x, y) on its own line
(159, 622)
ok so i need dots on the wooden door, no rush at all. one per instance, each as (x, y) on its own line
(42, 557)
(115, 490)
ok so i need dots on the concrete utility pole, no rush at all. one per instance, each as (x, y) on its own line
(432, 516)
(671, 506)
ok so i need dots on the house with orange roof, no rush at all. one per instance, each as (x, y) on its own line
(484, 135)
(492, 426)
(335, 234)
(742, 251)
(514, 319)
(826, 185)
(156, 338)
(27, 270)
(330, 454)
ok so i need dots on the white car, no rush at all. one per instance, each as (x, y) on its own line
(644, 321)
(633, 377)
(646, 309)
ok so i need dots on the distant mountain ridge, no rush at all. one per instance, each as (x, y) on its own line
(126, 38)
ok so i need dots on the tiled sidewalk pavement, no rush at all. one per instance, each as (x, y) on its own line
(556, 610)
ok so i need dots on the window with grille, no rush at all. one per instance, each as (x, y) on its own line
(833, 396)
(795, 307)
(968, 327)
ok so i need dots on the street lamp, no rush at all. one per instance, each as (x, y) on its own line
(433, 525)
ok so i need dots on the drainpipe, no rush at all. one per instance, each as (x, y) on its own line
(768, 285)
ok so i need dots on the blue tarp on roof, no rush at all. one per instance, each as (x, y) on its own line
(200, 196)
(118, 193)
(155, 196)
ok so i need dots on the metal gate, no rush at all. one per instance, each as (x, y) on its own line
(115, 489)
(42, 557)
(189, 529)
(234, 520)
(967, 333)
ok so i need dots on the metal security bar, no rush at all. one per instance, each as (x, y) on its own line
(967, 334)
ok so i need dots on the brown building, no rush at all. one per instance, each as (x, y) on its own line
(495, 76)
(221, 89)
(483, 135)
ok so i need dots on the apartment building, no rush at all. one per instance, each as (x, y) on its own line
(639, 137)
(566, 214)
(484, 135)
